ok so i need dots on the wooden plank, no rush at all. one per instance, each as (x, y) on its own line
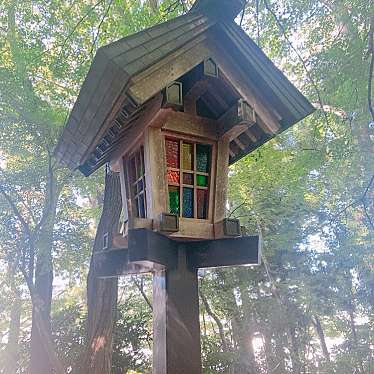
(193, 229)
(188, 124)
(155, 174)
(126, 141)
(222, 172)
(225, 252)
(172, 68)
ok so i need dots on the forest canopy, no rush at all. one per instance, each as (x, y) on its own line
(309, 193)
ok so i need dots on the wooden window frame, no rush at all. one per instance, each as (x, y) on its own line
(134, 179)
(211, 185)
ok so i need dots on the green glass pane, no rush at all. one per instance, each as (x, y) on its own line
(203, 156)
(202, 180)
(188, 202)
(174, 200)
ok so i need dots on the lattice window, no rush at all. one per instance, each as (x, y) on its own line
(188, 177)
(137, 183)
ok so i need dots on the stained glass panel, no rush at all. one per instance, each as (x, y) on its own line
(172, 153)
(202, 204)
(141, 206)
(187, 156)
(188, 211)
(202, 180)
(173, 176)
(203, 158)
(188, 179)
(140, 186)
(174, 199)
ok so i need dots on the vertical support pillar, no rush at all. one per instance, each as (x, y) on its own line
(176, 326)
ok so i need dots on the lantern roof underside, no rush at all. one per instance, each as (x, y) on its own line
(126, 75)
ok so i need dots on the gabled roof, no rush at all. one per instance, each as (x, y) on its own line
(117, 84)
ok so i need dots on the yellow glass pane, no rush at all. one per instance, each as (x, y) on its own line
(187, 156)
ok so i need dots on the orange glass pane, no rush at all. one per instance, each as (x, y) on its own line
(173, 176)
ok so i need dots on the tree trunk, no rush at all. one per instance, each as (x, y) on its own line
(243, 329)
(102, 293)
(41, 357)
(12, 349)
(321, 335)
(295, 358)
(224, 343)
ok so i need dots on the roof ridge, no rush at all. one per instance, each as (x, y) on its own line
(222, 9)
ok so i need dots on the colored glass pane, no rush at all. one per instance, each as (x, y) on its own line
(202, 204)
(203, 158)
(188, 179)
(140, 186)
(188, 203)
(173, 176)
(172, 153)
(187, 156)
(174, 200)
(141, 206)
(202, 180)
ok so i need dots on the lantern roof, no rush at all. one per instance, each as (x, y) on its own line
(121, 87)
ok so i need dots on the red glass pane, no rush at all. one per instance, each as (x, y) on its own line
(172, 153)
(173, 176)
(202, 204)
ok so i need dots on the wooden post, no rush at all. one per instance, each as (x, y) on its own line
(177, 348)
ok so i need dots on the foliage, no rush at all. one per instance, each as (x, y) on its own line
(309, 307)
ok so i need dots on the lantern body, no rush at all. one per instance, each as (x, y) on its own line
(174, 176)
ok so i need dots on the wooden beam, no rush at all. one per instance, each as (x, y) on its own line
(115, 262)
(176, 326)
(239, 144)
(236, 120)
(148, 246)
(225, 252)
(188, 124)
(251, 136)
(246, 89)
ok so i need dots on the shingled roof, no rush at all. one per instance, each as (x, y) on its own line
(116, 88)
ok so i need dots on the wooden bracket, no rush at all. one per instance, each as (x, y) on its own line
(236, 120)
(150, 251)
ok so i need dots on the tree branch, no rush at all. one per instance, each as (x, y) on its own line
(311, 80)
(371, 67)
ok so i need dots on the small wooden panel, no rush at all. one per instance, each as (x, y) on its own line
(222, 172)
(225, 252)
(155, 174)
(191, 125)
(170, 69)
(194, 229)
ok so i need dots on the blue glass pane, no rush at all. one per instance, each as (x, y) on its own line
(188, 203)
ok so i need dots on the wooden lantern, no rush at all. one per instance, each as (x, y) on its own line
(170, 109)
(174, 173)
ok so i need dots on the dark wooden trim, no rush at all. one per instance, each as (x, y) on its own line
(224, 252)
